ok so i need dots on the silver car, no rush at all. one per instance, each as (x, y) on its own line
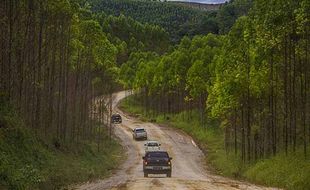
(139, 133)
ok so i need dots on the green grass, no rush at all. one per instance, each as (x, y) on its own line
(29, 162)
(289, 172)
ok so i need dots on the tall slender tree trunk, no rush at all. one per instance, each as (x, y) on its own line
(294, 101)
(242, 135)
(235, 130)
(285, 127)
(39, 73)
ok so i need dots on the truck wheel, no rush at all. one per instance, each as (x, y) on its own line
(145, 174)
(169, 174)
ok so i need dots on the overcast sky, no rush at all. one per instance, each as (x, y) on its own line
(203, 1)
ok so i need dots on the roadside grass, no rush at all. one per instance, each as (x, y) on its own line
(290, 171)
(30, 162)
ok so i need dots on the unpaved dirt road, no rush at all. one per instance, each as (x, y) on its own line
(188, 171)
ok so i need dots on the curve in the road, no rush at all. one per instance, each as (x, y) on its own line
(188, 172)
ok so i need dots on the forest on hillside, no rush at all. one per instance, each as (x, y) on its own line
(177, 20)
(255, 80)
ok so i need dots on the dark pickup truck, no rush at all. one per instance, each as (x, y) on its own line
(157, 162)
(116, 118)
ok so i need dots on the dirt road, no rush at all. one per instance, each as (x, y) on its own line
(188, 172)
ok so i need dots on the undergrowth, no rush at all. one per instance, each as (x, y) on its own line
(28, 161)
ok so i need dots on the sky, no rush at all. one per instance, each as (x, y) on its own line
(203, 1)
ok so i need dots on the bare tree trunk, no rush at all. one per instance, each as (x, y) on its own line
(74, 99)
(39, 73)
(285, 127)
(235, 130)
(242, 135)
(294, 101)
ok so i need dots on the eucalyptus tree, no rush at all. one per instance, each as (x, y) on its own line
(48, 62)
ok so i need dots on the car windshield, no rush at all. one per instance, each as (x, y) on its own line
(152, 144)
(158, 154)
(140, 130)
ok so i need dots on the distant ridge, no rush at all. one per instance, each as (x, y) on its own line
(197, 5)
(201, 1)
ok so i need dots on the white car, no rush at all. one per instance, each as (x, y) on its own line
(139, 133)
(151, 146)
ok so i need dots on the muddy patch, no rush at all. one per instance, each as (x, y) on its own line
(156, 183)
(122, 186)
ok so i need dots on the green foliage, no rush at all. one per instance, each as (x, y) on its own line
(27, 162)
(22, 157)
(131, 106)
(185, 67)
(230, 12)
(254, 80)
(287, 171)
(137, 60)
(177, 20)
(131, 36)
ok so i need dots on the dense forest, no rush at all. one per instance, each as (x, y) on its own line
(177, 20)
(57, 56)
(245, 66)
(53, 55)
(130, 36)
(255, 80)
(55, 59)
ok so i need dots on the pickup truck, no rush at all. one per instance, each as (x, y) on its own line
(157, 162)
(139, 133)
(151, 146)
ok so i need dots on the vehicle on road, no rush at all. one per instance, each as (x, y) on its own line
(152, 146)
(116, 118)
(157, 162)
(139, 133)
